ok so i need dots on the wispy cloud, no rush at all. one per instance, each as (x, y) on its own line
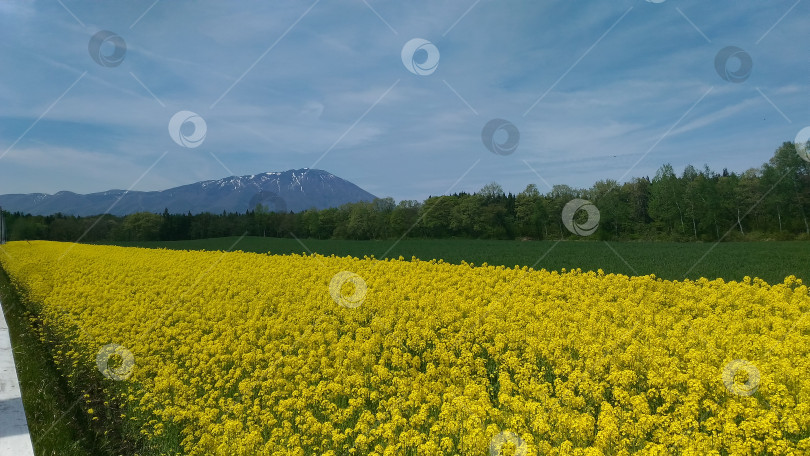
(596, 120)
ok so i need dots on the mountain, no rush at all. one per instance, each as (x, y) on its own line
(293, 190)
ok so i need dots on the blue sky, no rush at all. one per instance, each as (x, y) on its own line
(596, 89)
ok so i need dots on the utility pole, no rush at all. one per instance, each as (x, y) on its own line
(2, 227)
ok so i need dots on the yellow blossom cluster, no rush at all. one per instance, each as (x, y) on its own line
(238, 353)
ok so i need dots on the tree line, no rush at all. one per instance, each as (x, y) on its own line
(769, 202)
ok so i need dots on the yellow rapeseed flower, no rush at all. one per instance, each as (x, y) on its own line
(243, 354)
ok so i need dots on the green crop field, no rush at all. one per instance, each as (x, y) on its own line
(770, 261)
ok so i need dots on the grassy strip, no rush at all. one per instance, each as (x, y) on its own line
(768, 260)
(55, 419)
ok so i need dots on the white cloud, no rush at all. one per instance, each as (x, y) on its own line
(328, 70)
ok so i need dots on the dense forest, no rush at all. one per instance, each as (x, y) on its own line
(771, 202)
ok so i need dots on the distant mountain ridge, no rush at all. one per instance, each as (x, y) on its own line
(292, 190)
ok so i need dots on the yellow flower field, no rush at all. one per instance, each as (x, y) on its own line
(244, 354)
